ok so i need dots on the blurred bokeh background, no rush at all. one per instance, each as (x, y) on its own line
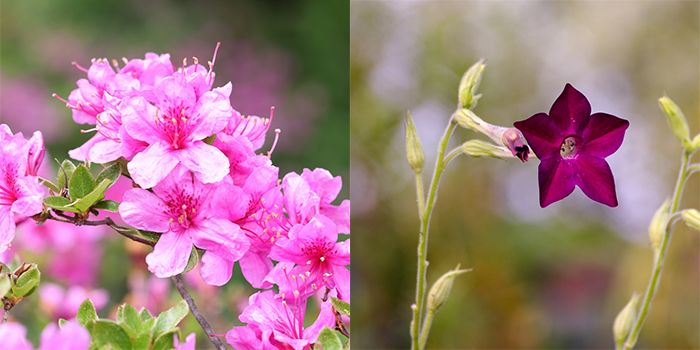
(291, 55)
(549, 278)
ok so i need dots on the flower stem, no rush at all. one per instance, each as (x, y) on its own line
(423, 240)
(195, 311)
(660, 256)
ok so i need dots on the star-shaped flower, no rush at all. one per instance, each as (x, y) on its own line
(572, 145)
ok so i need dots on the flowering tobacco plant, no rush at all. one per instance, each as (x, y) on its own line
(199, 190)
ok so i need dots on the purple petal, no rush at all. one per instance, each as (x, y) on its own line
(594, 177)
(207, 162)
(542, 135)
(215, 271)
(556, 179)
(152, 165)
(144, 210)
(570, 112)
(170, 255)
(603, 135)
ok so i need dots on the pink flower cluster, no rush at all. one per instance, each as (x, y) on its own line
(20, 192)
(70, 336)
(201, 184)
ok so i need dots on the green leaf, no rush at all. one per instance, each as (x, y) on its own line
(27, 282)
(131, 317)
(61, 322)
(347, 345)
(86, 313)
(147, 326)
(329, 339)
(108, 332)
(142, 341)
(112, 172)
(62, 177)
(170, 318)
(341, 306)
(165, 340)
(60, 203)
(50, 185)
(151, 236)
(108, 205)
(81, 183)
(4, 268)
(144, 314)
(5, 284)
(83, 204)
(193, 261)
(130, 332)
(209, 140)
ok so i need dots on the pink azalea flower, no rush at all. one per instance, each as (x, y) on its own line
(173, 124)
(255, 208)
(60, 303)
(327, 187)
(252, 128)
(319, 257)
(273, 323)
(189, 344)
(20, 192)
(14, 337)
(146, 290)
(70, 336)
(179, 207)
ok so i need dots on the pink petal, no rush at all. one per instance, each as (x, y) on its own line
(210, 115)
(14, 336)
(170, 255)
(139, 119)
(594, 177)
(215, 271)
(541, 134)
(341, 276)
(570, 112)
(221, 237)
(556, 180)
(144, 210)
(207, 162)
(326, 318)
(340, 215)
(82, 153)
(603, 135)
(244, 338)
(105, 151)
(230, 202)
(152, 165)
(255, 267)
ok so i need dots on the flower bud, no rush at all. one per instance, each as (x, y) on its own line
(691, 218)
(440, 290)
(35, 154)
(469, 84)
(5, 284)
(468, 120)
(695, 144)
(513, 139)
(478, 148)
(625, 320)
(414, 151)
(676, 119)
(657, 228)
(27, 282)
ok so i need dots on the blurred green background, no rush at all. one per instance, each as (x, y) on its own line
(549, 278)
(289, 54)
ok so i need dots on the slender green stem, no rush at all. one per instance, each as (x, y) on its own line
(427, 322)
(419, 193)
(660, 256)
(453, 153)
(423, 238)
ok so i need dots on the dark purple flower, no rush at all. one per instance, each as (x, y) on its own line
(572, 145)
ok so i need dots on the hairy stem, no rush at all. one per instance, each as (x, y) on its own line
(423, 239)
(195, 311)
(660, 256)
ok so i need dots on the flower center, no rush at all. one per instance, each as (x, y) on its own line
(570, 147)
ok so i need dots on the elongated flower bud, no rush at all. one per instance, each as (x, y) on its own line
(676, 119)
(692, 218)
(478, 148)
(440, 290)
(695, 144)
(625, 320)
(414, 150)
(469, 84)
(657, 228)
(27, 282)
